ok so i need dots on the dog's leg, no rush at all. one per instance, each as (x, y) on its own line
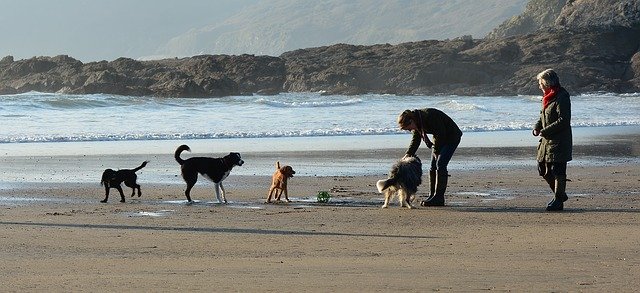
(220, 191)
(217, 190)
(190, 178)
(286, 193)
(269, 195)
(387, 196)
(224, 198)
(187, 192)
(106, 193)
(277, 194)
(119, 188)
(133, 185)
(402, 198)
(409, 200)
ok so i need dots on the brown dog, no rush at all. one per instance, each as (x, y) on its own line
(279, 182)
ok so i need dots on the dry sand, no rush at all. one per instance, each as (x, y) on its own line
(493, 234)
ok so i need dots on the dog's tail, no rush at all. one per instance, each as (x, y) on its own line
(141, 166)
(179, 150)
(384, 184)
(278, 165)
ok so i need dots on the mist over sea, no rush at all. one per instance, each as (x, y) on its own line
(44, 117)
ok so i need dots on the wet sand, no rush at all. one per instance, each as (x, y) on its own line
(493, 234)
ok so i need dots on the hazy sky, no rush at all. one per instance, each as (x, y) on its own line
(91, 30)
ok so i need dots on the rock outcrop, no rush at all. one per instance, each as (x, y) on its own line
(593, 44)
(598, 60)
(198, 76)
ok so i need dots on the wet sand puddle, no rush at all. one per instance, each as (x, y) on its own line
(486, 196)
(164, 206)
(30, 200)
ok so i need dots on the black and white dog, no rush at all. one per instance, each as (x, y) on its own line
(404, 178)
(113, 179)
(214, 169)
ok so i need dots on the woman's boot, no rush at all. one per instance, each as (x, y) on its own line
(550, 179)
(432, 187)
(560, 195)
(441, 186)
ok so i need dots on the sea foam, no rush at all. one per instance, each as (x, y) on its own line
(46, 117)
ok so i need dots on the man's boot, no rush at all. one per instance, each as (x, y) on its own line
(432, 186)
(560, 195)
(441, 186)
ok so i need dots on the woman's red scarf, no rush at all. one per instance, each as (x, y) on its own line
(549, 94)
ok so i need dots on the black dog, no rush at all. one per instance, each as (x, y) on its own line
(113, 179)
(214, 169)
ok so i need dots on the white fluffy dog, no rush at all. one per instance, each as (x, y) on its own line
(404, 178)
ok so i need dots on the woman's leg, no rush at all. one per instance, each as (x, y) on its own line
(440, 162)
(559, 171)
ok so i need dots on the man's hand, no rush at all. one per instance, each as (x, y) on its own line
(535, 132)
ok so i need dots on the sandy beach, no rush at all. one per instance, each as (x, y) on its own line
(493, 234)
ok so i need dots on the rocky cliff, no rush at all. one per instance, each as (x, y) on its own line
(593, 44)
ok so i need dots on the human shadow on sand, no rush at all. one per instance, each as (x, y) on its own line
(211, 230)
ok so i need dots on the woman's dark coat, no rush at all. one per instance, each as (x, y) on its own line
(435, 122)
(556, 144)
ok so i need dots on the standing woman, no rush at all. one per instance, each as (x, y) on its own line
(556, 145)
(446, 138)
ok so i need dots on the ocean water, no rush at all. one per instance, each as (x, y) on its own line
(44, 117)
(41, 129)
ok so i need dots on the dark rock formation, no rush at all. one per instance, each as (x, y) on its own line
(596, 60)
(199, 76)
(407, 68)
(593, 44)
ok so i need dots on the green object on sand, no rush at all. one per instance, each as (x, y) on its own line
(323, 197)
